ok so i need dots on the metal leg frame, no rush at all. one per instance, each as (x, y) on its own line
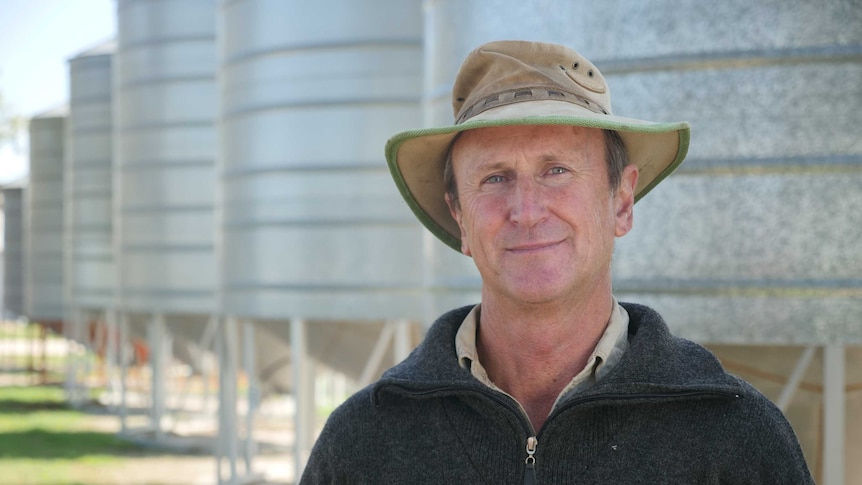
(369, 372)
(833, 414)
(397, 333)
(248, 355)
(123, 342)
(77, 360)
(159, 343)
(97, 343)
(403, 345)
(226, 446)
(303, 395)
(206, 342)
(792, 385)
(112, 359)
(71, 378)
(833, 406)
(228, 435)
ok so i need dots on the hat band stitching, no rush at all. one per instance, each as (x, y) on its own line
(521, 95)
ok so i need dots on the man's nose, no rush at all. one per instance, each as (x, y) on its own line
(527, 202)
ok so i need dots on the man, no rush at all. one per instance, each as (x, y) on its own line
(549, 379)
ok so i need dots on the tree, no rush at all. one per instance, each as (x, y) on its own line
(11, 125)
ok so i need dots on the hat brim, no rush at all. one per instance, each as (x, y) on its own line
(416, 157)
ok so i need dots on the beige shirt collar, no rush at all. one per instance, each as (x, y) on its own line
(606, 355)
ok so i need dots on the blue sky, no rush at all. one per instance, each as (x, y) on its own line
(37, 38)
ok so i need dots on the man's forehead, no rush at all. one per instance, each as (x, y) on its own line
(545, 141)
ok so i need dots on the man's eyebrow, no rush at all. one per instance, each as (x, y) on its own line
(551, 158)
(491, 165)
(503, 164)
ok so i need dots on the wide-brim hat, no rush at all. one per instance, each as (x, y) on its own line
(510, 83)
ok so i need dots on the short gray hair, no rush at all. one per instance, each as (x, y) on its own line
(615, 155)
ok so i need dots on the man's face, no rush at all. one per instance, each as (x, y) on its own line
(536, 211)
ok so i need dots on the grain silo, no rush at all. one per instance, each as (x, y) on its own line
(165, 107)
(13, 252)
(752, 247)
(315, 239)
(313, 225)
(88, 186)
(164, 175)
(43, 232)
(88, 181)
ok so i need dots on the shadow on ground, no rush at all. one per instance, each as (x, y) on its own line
(9, 406)
(41, 444)
(37, 425)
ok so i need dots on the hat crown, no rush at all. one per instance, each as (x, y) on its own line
(506, 72)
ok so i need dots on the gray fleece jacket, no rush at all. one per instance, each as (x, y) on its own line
(667, 413)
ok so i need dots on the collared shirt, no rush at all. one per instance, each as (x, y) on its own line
(608, 352)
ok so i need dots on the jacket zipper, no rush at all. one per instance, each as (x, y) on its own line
(530, 471)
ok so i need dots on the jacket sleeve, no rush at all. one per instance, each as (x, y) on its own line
(344, 451)
(319, 469)
(771, 448)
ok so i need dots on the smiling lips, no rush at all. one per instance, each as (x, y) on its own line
(533, 246)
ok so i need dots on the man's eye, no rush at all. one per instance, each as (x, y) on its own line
(495, 179)
(558, 170)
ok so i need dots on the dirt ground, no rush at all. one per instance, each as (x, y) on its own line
(272, 465)
(185, 455)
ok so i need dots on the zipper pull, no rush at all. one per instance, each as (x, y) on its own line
(530, 472)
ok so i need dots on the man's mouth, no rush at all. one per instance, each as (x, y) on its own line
(533, 246)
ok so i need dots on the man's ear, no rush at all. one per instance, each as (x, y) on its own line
(625, 200)
(455, 211)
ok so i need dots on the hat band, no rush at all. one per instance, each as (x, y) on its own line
(527, 94)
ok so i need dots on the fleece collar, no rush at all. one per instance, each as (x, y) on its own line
(655, 362)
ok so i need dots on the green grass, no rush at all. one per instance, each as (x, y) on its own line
(17, 330)
(43, 442)
(26, 396)
(36, 423)
(31, 330)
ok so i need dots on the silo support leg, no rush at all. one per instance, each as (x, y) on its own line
(158, 341)
(833, 414)
(111, 361)
(228, 358)
(369, 372)
(795, 379)
(253, 393)
(69, 334)
(402, 341)
(207, 343)
(123, 342)
(74, 359)
(303, 385)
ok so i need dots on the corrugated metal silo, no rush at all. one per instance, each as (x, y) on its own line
(761, 161)
(754, 245)
(165, 149)
(313, 226)
(91, 274)
(13, 251)
(755, 239)
(43, 233)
